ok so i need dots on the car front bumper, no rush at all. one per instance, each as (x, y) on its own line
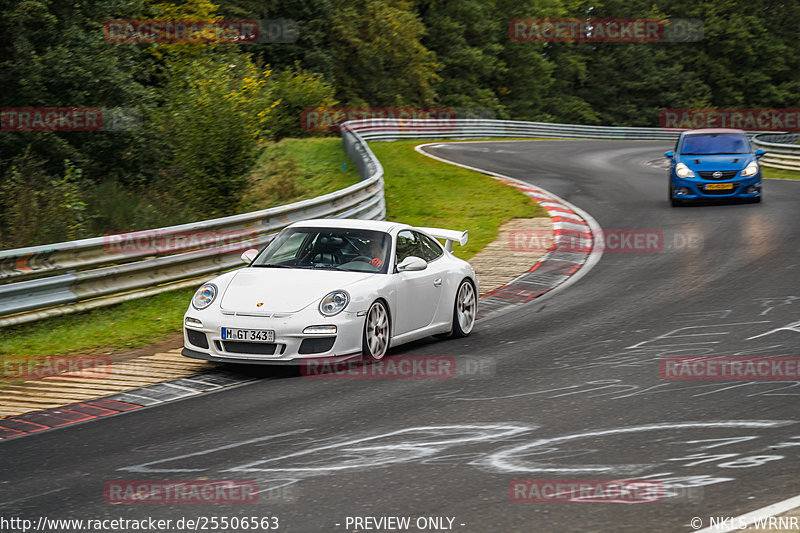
(290, 346)
(694, 188)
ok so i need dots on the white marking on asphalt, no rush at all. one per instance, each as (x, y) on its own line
(705, 333)
(507, 461)
(794, 326)
(699, 315)
(32, 497)
(772, 303)
(145, 467)
(382, 454)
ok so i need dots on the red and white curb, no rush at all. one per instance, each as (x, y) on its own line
(576, 248)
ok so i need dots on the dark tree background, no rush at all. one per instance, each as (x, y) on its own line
(205, 108)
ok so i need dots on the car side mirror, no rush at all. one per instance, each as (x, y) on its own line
(760, 153)
(670, 154)
(249, 255)
(412, 264)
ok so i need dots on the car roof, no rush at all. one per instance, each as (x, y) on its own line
(713, 130)
(350, 223)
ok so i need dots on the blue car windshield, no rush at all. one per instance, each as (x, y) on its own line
(715, 143)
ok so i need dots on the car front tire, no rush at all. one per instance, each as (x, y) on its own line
(672, 201)
(465, 309)
(377, 332)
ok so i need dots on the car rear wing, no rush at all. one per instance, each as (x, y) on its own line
(450, 236)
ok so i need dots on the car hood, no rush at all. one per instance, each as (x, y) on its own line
(717, 162)
(283, 290)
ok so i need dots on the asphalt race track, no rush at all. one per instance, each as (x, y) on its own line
(568, 387)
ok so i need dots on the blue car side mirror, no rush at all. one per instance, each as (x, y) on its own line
(669, 155)
(760, 153)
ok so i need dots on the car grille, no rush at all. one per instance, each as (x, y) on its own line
(197, 338)
(316, 345)
(256, 348)
(726, 174)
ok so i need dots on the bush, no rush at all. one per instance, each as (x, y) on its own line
(295, 90)
(211, 122)
(37, 208)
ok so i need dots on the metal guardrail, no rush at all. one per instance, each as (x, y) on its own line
(42, 281)
(782, 150)
(394, 129)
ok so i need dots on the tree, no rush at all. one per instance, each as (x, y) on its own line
(379, 59)
(295, 90)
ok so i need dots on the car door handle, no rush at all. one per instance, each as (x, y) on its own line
(437, 282)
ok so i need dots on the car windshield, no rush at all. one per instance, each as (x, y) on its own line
(352, 250)
(715, 143)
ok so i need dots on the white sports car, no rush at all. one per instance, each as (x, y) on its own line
(334, 288)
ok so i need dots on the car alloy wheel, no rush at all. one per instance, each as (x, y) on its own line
(376, 332)
(466, 308)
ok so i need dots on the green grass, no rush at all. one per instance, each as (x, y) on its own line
(777, 173)
(419, 191)
(424, 192)
(296, 169)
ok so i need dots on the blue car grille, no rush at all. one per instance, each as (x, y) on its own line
(726, 174)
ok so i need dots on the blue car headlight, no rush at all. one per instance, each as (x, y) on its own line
(204, 296)
(334, 303)
(683, 171)
(750, 170)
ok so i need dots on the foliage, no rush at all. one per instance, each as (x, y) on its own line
(378, 57)
(295, 90)
(36, 207)
(213, 117)
(296, 169)
(205, 107)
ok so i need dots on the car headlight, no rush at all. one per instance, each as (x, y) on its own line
(683, 171)
(204, 296)
(334, 303)
(750, 170)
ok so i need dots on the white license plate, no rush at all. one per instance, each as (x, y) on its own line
(248, 335)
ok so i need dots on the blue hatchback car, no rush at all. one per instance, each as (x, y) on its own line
(714, 164)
